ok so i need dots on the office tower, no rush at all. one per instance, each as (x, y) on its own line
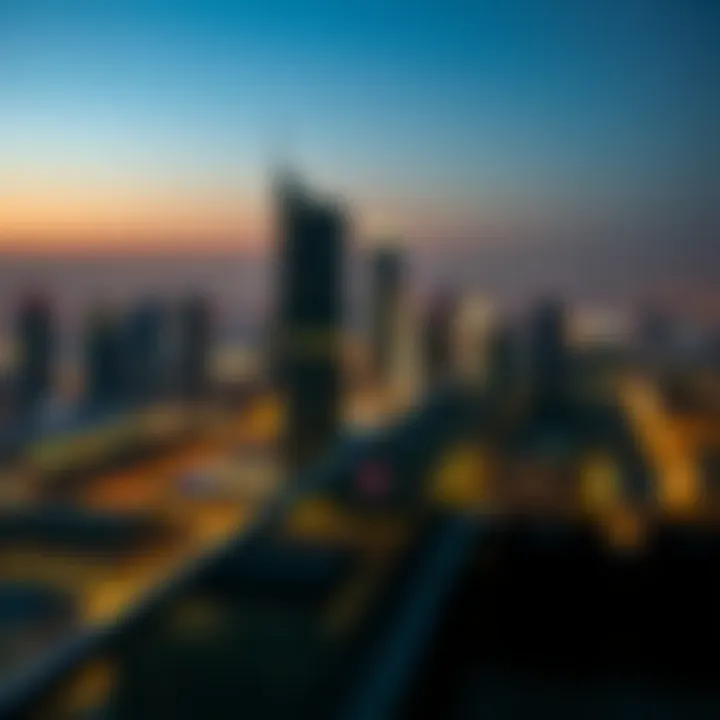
(473, 322)
(386, 276)
(194, 338)
(103, 359)
(35, 344)
(407, 370)
(145, 368)
(439, 337)
(548, 355)
(501, 359)
(311, 252)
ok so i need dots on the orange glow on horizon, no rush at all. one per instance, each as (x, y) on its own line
(57, 218)
(41, 215)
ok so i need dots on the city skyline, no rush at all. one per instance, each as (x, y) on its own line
(332, 331)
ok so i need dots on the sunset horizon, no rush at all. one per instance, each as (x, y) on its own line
(139, 123)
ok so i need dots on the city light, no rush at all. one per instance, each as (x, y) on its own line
(359, 361)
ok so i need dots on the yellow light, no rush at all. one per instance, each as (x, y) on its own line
(600, 485)
(461, 479)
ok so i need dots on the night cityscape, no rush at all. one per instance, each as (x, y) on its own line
(420, 419)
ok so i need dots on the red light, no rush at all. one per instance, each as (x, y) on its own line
(374, 481)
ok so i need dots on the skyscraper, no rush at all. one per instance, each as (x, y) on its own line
(548, 352)
(386, 290)
(407, 367)
(311, 253)
(103, 358)
(145, 367)
(473, 322)
(501, 359)
(194, 337)
(35, 344)
(439, 337)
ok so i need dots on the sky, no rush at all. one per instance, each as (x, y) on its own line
(155, 123)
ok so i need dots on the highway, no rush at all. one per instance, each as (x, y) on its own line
(120, 594)
(678, 491)
(447, 474)
(105, 586)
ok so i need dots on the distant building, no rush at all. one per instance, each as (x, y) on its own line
(439, 337)
(145, 367)
(386, 277)
(657, 337)
(473, 323)
(548, 354)
(35, 343)
(308, 346)
(103, 359)
(407, 369)
(501, 358)
(194, 346)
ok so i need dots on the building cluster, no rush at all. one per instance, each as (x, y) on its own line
(309, 330)
(151, 352)
(521, 460)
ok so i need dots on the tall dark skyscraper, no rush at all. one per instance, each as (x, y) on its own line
(103, 359)
(194, 339)
(311, 254)
(386, 289)
(548, 352)
(501, 359)
(35, 343)
(439, 336)
(145, 366)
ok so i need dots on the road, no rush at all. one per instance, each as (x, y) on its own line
(678, 490)
(106, 586)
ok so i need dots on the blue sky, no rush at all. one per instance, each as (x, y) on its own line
(463, 112)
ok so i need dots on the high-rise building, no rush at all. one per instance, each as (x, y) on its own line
(386, 291)
(145, 367)
(439, 337)
(407, 367)
(501, 359)
(308, 346)
(548, 354)
(103, 359)
(194, 338)
(473, 322)
(35, 343)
